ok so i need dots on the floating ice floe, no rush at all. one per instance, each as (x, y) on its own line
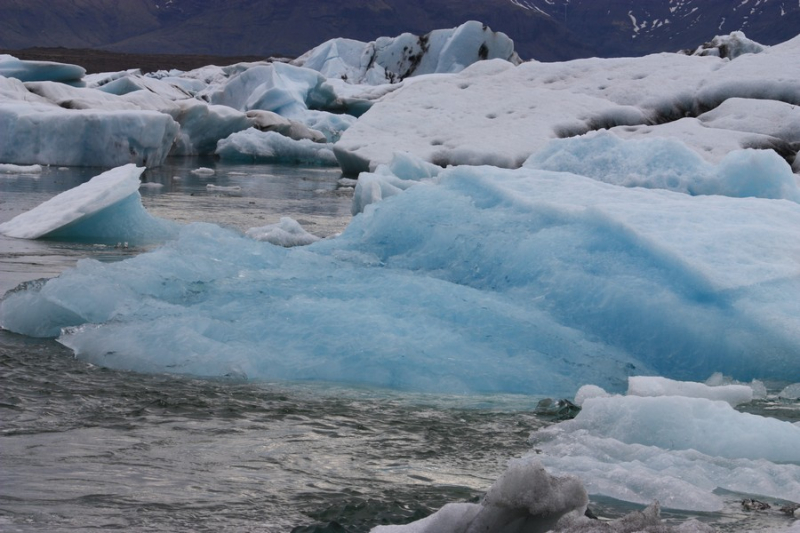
(272, 147)
(676, 449)
(106, 209)
(791, 392)
(288, 232)
(658, 386)
(524, 498)
(7, 168)
(203, 171)
(232, 190)
(25, 70)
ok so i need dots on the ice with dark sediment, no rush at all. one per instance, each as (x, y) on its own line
(392, 59)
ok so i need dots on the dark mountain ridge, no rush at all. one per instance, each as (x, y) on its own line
(547, 30)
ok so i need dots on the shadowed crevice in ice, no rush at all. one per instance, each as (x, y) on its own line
(105, 210)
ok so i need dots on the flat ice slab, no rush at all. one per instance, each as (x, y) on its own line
(107, 207)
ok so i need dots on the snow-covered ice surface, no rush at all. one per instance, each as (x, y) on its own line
(495, 113)
(730, 46)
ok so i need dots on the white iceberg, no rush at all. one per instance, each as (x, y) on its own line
(48, 135)
(524, 498)
(676, 449)
(728, 46)
(284, 89)
(790, 392)
(7, 168)
(106, 209)
(658, 386)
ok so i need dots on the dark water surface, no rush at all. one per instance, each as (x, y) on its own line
(84, 447)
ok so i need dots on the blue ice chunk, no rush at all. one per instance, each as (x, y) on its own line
(665, 163)
(25, 70)
(402, 172)
(284, 89)
(272, 147)
(483, 280)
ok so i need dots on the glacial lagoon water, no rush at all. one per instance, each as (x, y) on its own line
(87, 448)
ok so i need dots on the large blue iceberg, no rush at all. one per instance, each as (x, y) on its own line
(476, 280)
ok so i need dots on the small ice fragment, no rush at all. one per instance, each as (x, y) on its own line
(7, 168)
(203, 171)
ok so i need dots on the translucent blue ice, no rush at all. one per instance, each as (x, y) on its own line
(23, 70)
(482, 280)
(271, 147)
(664, 163)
